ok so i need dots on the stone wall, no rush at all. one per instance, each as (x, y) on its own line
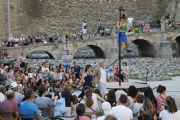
(44, 16)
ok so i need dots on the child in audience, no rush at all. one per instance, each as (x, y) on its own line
(26, 75)
(10, 76)
(31, 74)
(72, 81)
(80, 110)
(73, 72)
(75, 103)
(111, 76)
(61, 85)
(30, 82)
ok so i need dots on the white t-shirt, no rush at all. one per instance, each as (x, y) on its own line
(103, 75)
(108, 30)
(2, 70)
(16, 39)
(45, 69)
(165, 115)
(2, 98)
(136, 109)
(112, 75)
(130, 20)
(22, 38)
(122, 112)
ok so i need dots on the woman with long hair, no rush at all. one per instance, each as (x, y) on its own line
(125, 69)
(111, 98)
(172, 113)
(87, 78)
(147, 112)
(149, 94)
(22, 60)
(123, 28)
(132, 92)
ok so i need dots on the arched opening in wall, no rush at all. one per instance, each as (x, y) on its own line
(176, 47)
(40, 55)
(145, 48)
(89, 52)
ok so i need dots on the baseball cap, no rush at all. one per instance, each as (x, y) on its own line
(107, 108)
(14, 84)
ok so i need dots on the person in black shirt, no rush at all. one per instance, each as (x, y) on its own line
(77, 69)
(167, 16)
(68, 99)
(123, 79)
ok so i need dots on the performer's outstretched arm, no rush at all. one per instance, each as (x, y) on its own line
(83, 76)
(100, 98)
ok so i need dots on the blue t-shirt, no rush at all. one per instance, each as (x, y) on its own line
(149, 19)
(27, 107)
(67, 58)
(78, 69)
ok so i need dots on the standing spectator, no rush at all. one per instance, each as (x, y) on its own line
(99, 26)
(121, 111)
(9, 105)
(149, 94)
(11, 40)
(67, 59)
(22, 40)
(146, 112)
(108, 31)
(2, 94)
(18, 96)
(47, 102)
(45, 71)
(80, 110)
(172, 113)
(147, 27)
(149, 18)
(84, 26)
(161, 102)
(167, 16)
(28, 107)
(68, 99)
(130, 21)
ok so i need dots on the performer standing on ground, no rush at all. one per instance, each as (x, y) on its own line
(100, 78)
(123, 28)
(88, 79)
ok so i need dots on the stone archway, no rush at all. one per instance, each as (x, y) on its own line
(177, 46)
(50, 55)
(145, 48)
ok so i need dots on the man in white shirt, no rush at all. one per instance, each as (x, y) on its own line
(108, 31)
(130, 21)
(45, 71)
(2, 94)
(121, 111)
(100, 78)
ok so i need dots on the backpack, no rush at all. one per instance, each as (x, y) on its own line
(145, 117)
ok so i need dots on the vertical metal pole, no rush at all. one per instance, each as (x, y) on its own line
(9, 23)
(120, 52)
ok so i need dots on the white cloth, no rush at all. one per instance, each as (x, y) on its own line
(131, 101)
(68, 113)
(122, 112)
(112, 75)
(108, 30)
(103, 75)
(136, 109)
(22, 39)
(30, 75)
(165, 115)
(16, 39)
(74, 110)
(130, 20)
(2, 98)
(45, 69)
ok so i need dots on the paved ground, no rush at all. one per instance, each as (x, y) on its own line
(172, 87)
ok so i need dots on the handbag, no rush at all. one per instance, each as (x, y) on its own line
(60, 106)
(165, 107)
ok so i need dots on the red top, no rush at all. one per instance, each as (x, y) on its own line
(116, 73)
(160, 102)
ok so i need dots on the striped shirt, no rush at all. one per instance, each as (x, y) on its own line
(160, 102)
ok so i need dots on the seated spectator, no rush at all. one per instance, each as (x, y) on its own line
(138, 105)
(5, 42)
(56, 38)
(31, 74)
(170, 24)
(47, 102)
(172, 113)
(102, 31)
(22, 85)
(2, 94)
(132, 92)
(125, 69)
(5, 74)
(49, 96)
(6, 56)
(9, 105)
(10, 76)
(1, 55)
(161, 102)
(110, 117)
(28, 107)
(140, 26)
(97, 91)
(111, 75)
(74, 36)
(57, 86)
(11, 41)
(38, 38)
(17, 76)
(121, 111)
(108, 31)
(18, 96)
(68, 99)
(91, 106)
(146, 112)
(22, 40)
(148, 93)
(16, 40)
(111, 98)
(68, 35)
(80, 110)
(46, 73)
(147, 27)
(75, 103)
(92, 33)
(81, 35)
(30, 82)
(31, 40)
(107, 110)
(51, 38)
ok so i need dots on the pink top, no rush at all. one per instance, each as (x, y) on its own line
(83, 118)
(11, 39)
(160, 102)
